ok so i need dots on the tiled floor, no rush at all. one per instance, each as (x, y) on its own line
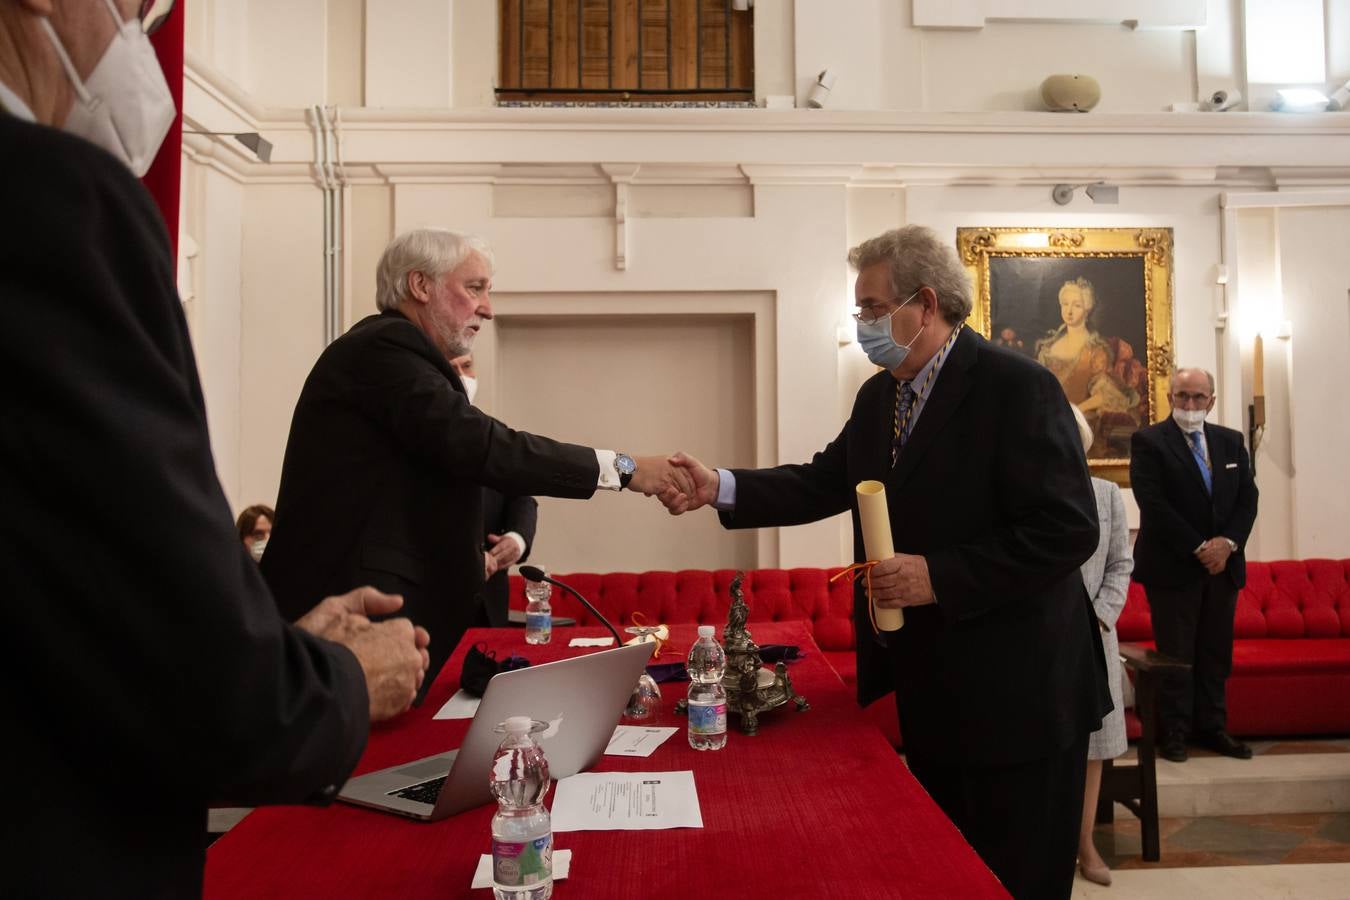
(1231, 841)
(1297, 855)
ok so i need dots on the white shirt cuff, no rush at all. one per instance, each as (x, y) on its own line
(609, 476)
(520, 541)
(726, 491)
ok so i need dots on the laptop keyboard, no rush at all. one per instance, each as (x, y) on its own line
(425, 792)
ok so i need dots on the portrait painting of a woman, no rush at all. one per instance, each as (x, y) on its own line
(1092, 305)
(1095, 377)
(1083, 318)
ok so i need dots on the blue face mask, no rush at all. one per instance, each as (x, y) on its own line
(877, 342)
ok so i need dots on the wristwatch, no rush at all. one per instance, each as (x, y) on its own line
(1232, 544)
(624, 465)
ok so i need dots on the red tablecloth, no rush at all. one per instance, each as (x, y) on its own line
(817, 804)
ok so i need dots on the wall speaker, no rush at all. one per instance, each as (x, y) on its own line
(1070, 93)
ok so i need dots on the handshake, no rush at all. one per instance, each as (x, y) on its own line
(679, 481)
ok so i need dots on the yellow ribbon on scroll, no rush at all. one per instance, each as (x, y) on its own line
(876, 529)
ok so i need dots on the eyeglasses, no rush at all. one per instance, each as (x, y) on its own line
(871, 315)
(154, 13)
(1186, 397)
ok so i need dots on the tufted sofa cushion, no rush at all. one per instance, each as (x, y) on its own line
(1291, 656)
(703, 596)
(1291, 647)
(1289, 599)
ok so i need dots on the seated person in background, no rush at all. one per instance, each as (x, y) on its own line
(255, 527)
(137, 692)
(508, 523)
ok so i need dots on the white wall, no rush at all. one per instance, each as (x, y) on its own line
(644, 380)
(213, 205)
(1317, 302)
(730, 205)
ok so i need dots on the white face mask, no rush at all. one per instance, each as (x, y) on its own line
(125, 107)
(1189, 419)
(256, 551)
(470, 386)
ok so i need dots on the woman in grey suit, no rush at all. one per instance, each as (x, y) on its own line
(1107, 576)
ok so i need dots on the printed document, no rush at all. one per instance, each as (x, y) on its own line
(591, 642)
(637, 740)
(461, 706)
(626, 801)
(482, 876)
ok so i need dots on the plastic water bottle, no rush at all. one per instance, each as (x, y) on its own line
(707, 698)
(538, 612)
(522, 832)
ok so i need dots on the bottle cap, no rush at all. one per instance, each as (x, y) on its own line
(705, 631)
(518, 724)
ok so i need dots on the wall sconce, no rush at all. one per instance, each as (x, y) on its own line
(1099, 191)
(250, 139)
(1256, 410)
(819, 95)
(1340, 98)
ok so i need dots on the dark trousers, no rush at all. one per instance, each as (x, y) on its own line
(1021, 819)
(1195, 625)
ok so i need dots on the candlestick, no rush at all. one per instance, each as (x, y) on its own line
(1258, 369)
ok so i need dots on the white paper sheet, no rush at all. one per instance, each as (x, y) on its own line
(637, 740)
(461, 706)
(626, 801)
(591, 642)
(482, 876)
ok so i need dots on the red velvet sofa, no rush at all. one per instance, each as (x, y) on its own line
(1291, 647)
(1291, 653)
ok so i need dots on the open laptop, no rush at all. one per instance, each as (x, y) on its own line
(581, 699)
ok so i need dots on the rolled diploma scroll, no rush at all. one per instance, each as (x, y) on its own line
(876, 529)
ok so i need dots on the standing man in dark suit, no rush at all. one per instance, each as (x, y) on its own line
(997, 670)
(386, 460)
(509, 523)
(1197, 502)
(139, 688)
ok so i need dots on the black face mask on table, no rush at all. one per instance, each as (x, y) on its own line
(480, 666)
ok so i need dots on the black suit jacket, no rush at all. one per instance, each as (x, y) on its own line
(992, 489)
(500, 515)
(147, 673)
(382, 481)
(1176, 515)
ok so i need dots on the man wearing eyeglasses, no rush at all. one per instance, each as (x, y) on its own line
(1197, 502)
(138, 687)
(998, 671)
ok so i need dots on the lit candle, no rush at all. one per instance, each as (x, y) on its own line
(1258, 369)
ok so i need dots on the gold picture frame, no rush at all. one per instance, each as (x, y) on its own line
(1083, 302)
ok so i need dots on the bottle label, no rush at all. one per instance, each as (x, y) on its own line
(540, 622)
(517, 863)
(709, 718)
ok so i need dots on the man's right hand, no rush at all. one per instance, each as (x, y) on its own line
(393, 653)
(705, 483)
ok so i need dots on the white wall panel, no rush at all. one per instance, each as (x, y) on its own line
(1317, 303)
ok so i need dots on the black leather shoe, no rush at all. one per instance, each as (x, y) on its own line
(1173, 747)
(1225, 744)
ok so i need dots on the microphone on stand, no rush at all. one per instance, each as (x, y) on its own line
(534, 573)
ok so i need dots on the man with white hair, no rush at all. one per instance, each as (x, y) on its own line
(997, 671)
(1197, 504)
(386, 459)
(143, 681)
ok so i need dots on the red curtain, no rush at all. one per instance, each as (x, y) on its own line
(162, 181)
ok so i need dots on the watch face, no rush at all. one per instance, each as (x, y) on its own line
(624, 463)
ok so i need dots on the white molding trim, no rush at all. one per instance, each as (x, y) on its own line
(1276, 199)
(1143, 14)
(797, 146)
